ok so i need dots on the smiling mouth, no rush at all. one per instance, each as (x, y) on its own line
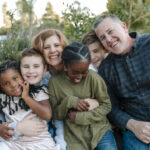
(54, 57)
(31, 77)
(17, 90)
(95, 62)
(77, 81)
(114, 44)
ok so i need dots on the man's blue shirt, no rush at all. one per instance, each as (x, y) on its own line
(128, 81)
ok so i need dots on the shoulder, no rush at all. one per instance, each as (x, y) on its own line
(140, 39)
(94, 76)
(57, 79)
(42, 94)
(95, 80)
(106, 68)
(144, 39)
(57, 76)
(107, 63)
(2, 96)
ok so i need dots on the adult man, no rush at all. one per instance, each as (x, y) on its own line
(126, 72)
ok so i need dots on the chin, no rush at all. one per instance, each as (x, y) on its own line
(17, 95)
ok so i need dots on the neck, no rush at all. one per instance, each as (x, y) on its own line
(55, 69)
(130, 44)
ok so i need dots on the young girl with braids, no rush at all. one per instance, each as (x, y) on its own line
(19, 100)
(84, 128)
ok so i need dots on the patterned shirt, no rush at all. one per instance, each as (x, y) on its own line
(128, 80)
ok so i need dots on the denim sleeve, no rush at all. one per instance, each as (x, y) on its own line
(17, 134)
(45, 79)
(2, 117)
(59, 138)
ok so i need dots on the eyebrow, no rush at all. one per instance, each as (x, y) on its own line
(106, 31)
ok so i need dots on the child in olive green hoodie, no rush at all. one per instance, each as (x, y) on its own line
(84, 129)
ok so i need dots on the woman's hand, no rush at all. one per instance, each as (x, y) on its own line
(82, 105)
(4, 131)
(30, 127)
(93, 103)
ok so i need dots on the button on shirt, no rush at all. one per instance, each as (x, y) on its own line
(128, 81)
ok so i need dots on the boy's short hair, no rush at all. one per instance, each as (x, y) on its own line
(31, 52)
(91, 37)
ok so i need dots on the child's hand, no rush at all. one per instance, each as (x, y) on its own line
(30, 127)
(25, 91)
(92, 102)
(82, 105)
(72, 115)
(4, 131)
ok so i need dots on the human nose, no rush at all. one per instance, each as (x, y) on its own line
(30, 70)
(53, 49)
(79, 76)
(13, 84)
(108, 38)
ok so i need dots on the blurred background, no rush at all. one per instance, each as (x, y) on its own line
(20, 20)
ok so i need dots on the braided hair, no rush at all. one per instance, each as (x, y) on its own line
(10, 64)
(76, 51)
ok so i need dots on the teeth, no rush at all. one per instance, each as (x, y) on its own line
(77, 80)
(114, 44)
(52, 57)
(16, 90)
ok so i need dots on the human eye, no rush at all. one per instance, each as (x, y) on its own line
(74, 73)
(15, 78)
(25, 66)
(46, 47)
(36, 66)
(6, 84)
(85, 72)
(57, 44)
(102, 38)
(95, 51)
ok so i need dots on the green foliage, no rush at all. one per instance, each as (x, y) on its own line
(11, 47)
(4, 31)
(135, 13)
(50, 19)
(77, 21)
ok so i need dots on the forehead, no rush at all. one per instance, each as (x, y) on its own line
(96, 45)
(52, 38)
(32, 59)
(78, 65)
(106, 25)
(9, 73)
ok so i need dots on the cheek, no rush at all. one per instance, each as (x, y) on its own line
(45, 54)
(100, 56)
(60, 50)
(21, 80)
(104, 44)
